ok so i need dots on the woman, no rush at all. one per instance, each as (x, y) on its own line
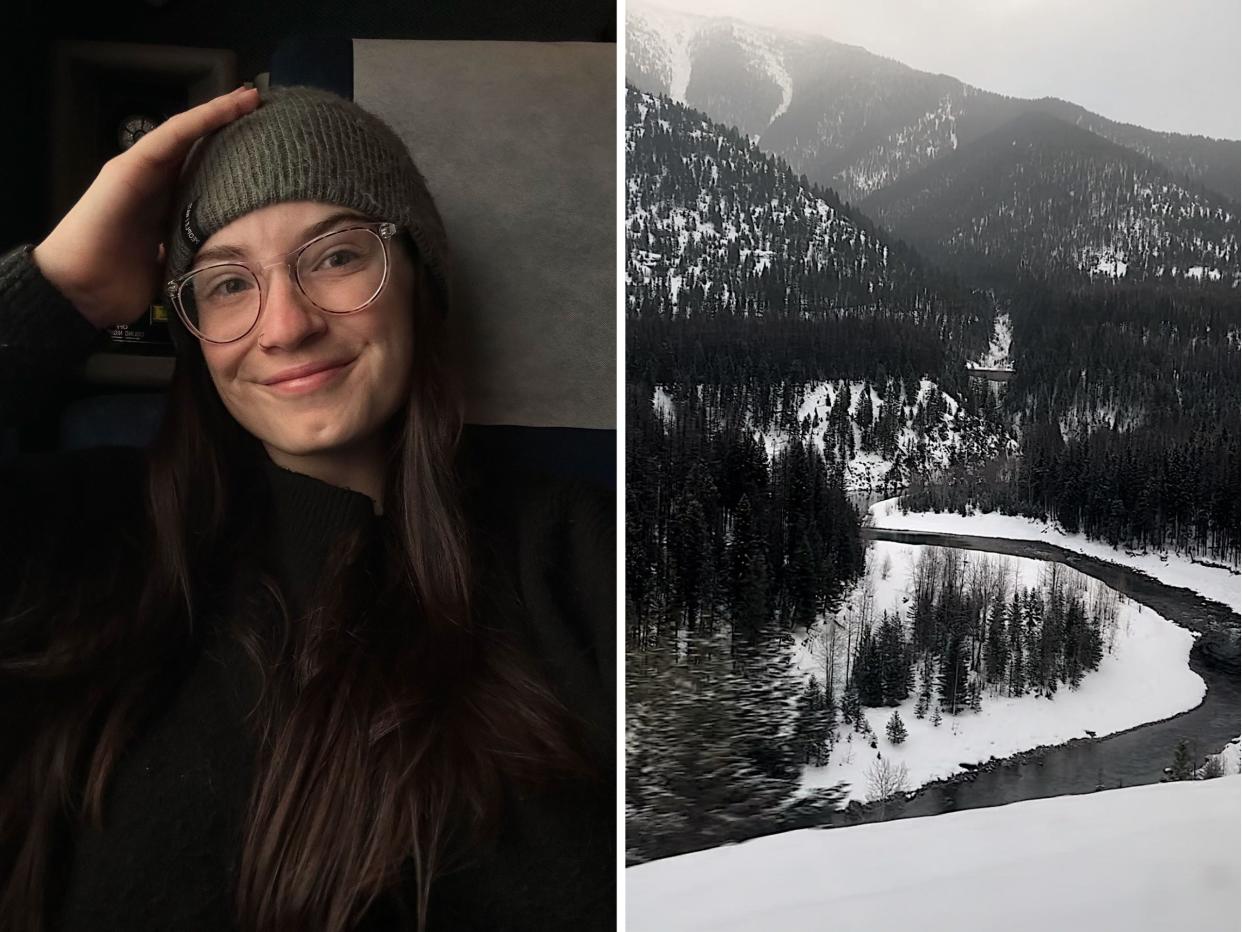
(295, 666)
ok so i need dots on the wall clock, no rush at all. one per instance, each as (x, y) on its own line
(133, 128)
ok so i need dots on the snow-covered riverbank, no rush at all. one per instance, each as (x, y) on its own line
(1170, 568)
(1143, 859)
(1230, 758)
(1143, 677)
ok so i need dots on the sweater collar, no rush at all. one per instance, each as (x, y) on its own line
(309, 517)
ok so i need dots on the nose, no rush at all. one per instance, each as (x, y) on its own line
(287, 318)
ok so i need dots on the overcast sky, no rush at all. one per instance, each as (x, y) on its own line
(1163, 64)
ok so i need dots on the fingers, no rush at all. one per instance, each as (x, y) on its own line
(167, 145)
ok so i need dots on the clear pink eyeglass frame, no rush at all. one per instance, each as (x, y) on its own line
(384, 229)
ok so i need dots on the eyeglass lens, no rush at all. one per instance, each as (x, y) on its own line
(339, 273)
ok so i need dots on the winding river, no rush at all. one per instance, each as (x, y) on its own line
(1136, 756)
(1083, 765)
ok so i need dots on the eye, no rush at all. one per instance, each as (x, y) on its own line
(346, 256)
(224, 289)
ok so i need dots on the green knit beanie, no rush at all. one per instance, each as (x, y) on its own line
(303, 144)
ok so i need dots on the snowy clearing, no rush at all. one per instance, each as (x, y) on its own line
(1169, 568)
(999, 354)
(1144, 677)
(1143, 859)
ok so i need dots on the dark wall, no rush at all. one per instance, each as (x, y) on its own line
(252, 29)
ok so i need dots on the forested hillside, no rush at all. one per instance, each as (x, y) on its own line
(1128, 396)
(737, 268)
(1041, 196)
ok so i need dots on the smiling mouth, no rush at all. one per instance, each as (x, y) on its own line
(309, 383)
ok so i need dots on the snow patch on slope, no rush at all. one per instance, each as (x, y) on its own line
(769, 60)
(675, 31)
(953, 434)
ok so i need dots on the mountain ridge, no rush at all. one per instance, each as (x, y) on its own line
(856, 121)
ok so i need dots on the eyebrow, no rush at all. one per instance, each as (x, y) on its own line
(215, 253)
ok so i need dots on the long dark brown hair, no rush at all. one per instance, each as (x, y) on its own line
(389, 721)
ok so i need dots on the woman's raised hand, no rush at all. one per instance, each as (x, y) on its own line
(107, 253)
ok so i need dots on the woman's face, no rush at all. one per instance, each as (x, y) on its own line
(337, 411)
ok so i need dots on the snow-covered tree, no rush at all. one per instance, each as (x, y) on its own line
(896, 728)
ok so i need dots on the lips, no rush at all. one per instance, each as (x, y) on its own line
(298, 372)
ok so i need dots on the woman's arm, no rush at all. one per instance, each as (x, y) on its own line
(43, 337)
(103, 262)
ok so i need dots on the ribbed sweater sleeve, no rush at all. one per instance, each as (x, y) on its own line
(43, 337)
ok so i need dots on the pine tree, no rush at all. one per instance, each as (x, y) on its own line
(1017, 664)
(896, 728)
(920, 707)
(830, 719)
(997, 650)
(937, 718)
(868, 671)
(811, 726)
(851, 708)
(748, 569)
(1183, 763)
(1032, 612)
(954, 676)
(1074, 640)
(1092, 651)
(895, 668)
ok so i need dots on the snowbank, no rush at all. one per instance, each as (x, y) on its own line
(1143, 859)
(1231, 757)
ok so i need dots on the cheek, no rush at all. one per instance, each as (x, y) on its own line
(222, 361)
(397, 342)
(405, 356)
(222, 367)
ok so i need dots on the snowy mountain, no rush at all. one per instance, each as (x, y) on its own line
(714, 226)
(709, 215)
(1039, 193)
(855, 121)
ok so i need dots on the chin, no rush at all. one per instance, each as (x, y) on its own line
(295, 445)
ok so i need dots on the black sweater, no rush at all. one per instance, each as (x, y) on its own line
(166, 857)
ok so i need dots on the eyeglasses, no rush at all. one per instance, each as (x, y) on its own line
(340, 272)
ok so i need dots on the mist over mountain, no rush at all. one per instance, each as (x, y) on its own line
(859, 122)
